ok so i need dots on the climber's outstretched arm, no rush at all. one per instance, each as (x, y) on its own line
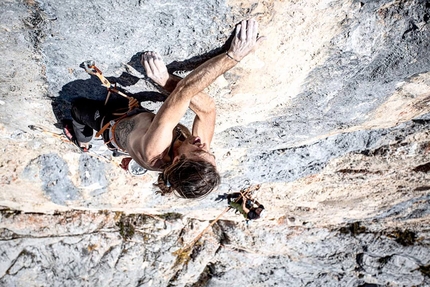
(159, 135)
(201, 104)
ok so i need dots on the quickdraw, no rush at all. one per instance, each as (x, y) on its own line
(90, 68)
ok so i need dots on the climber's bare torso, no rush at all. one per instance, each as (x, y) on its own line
(129, 130)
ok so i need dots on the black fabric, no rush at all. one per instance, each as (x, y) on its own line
(87, 115)
(254, 215)
(69, 133)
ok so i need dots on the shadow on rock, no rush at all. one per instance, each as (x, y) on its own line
(186, 65)
(92, 89)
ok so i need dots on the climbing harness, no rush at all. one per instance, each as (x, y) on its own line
(107, 131)
(133, 105)
(112, 124)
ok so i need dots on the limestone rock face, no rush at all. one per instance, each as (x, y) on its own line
(329, 116)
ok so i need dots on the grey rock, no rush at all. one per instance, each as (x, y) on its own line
(345, 191)
(54, 175)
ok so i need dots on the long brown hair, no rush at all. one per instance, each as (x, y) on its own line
(189, 178)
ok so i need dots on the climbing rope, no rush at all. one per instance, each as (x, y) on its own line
(188, 247)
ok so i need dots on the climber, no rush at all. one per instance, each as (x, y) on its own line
(250, 208)
(158, 141)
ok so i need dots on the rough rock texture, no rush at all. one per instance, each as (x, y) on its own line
(83, 248)
(330, 116)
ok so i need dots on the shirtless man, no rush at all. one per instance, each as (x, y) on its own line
(157, 141)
